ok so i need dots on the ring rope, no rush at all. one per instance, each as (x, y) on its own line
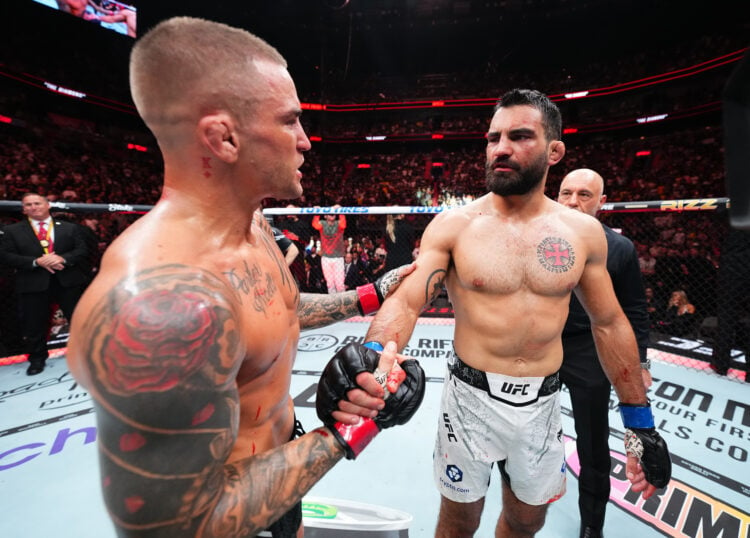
(693, 204)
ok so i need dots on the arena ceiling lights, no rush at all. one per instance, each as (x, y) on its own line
(587, 94)
(449, 103)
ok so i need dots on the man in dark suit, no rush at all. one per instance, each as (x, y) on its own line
(589, 387)
(354, 271)
(50, 259)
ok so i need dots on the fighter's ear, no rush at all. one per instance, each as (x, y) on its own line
(217, 133)
(556, 152)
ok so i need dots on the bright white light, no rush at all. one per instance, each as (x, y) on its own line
(649, 119)
(576, 95)
(64, 91)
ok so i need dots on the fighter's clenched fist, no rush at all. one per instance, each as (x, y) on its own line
(404, 383)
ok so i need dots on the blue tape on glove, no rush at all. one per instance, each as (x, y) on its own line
(636, 416)
(374, 345)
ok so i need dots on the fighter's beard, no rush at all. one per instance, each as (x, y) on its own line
(516, 182)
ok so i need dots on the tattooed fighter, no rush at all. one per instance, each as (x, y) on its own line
(510, 260)
(187, 337)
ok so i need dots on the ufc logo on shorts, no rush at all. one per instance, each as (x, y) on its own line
(447, 423)
(512, 388)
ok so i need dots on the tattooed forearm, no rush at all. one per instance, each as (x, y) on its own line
(318, 309)
(261, 489)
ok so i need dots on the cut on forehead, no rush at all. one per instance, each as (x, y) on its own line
(196, 63)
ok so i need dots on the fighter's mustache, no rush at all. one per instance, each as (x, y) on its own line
(505, 163)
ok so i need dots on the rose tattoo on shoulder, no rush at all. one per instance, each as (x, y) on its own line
(162, 331)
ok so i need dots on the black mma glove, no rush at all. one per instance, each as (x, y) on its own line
(401, 405)
(644, 442)
(338, 379)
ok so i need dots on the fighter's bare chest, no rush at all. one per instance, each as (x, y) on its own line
(259, 288)
(266, 299)
(543, 260)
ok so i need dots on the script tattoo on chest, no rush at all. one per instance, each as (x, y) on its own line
(555, 255)
(252, 282)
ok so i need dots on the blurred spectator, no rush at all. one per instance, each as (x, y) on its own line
(299, 232)
(90, 231)
(701, 275)
(377, 263)
(646, 262)
(368, 250)
(355, 270)
(679, 317)
(399, 241)
(313, 280)
(332, 247)
(655, 312)
(286, 246)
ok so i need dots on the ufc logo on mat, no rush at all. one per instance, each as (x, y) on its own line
(447, 423)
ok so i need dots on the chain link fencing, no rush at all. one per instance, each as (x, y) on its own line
(681, 245)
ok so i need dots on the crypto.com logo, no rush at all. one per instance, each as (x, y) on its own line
(454, 473)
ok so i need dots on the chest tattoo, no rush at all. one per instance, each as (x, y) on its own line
(555, 255)
(252, 283)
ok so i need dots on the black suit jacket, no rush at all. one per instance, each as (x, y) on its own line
(19, 247)
(355, 275)
(579, 351)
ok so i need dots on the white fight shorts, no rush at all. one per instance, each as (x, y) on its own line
(514, 421)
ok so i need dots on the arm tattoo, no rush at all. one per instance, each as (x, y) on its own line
(163, 350)
(320, 309)
(388, 281)
(434, 285)
(313, 457)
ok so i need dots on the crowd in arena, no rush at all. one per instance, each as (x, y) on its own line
(82, 159)
(686, 251)
(665, 169)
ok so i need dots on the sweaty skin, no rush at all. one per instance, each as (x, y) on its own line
(509, 290)
(185, 339)
(509, 261)
(227, 320)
